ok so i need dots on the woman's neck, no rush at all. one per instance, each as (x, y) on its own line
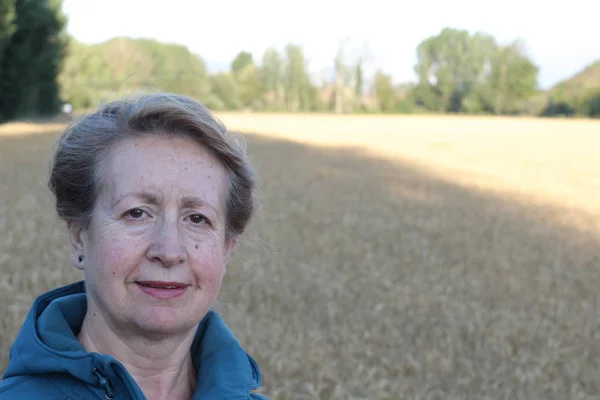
(163, 368)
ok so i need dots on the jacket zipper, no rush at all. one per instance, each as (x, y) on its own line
(109, 393)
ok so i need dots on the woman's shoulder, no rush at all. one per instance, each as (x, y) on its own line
(46, 386)
(29, 387)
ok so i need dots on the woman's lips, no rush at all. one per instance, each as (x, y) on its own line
(162, 290)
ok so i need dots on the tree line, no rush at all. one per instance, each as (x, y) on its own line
(33, 44)
(458, 72)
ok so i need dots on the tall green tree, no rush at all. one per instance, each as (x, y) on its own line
(32, 58)
(241, 61)
(348, 78)
(385, 93)
(7, 23)
(591, 107)
(512, 79)
(342, 81)
(298, 88)
(339, 83)
(358, 78)
(450, 65)
(272, 79)
(463, 72)
(246, 74)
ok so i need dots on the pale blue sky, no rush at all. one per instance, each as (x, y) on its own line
(562, 37)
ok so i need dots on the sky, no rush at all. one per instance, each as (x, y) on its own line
(561, 37)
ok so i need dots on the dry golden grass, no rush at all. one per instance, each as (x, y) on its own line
(392, 258)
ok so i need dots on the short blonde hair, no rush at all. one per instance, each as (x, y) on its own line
(77, 168)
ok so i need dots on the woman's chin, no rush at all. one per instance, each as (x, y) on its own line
(163, 320)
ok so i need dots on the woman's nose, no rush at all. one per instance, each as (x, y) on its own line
(167, 246)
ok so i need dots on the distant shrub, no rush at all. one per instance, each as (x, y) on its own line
(559, 109)
(591, 107)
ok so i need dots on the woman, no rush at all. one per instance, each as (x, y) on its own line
(154, 193)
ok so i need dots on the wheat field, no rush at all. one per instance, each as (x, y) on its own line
(391, 258)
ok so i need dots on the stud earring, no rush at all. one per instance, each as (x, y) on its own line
(80, 258)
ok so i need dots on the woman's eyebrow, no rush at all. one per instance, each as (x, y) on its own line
(196, 202)
(145, 196)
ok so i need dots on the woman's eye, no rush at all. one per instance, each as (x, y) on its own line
(136, 213)
(197, 218)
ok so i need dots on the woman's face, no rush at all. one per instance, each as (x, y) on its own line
(156, 250)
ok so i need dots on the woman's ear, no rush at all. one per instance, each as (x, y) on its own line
(77, 245)
(230, 244)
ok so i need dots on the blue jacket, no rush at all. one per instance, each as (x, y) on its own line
(48, 362)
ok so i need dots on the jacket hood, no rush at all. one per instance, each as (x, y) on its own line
(47, 345)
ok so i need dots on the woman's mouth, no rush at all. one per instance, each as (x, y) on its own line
(162, 290)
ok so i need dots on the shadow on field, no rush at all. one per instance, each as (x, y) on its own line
(365, 278)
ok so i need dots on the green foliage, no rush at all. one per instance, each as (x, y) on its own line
(358, 79)
(450, 66)
(85, 77)
(32, 47)
(343, 95)
(225, 92)
(592, 106)
(558, 109)
(271, 77)
(576, 96)
(7, 23)
(512, 79)
(384, 92)
(247, 77)
(98, 73)
(458, 71)
(241, 61)
(296, 82)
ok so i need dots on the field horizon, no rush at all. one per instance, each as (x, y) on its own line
(411, 257)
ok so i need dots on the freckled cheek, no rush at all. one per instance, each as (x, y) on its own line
(116, 255)
(209, 271)
(214, 273)
(217, 278)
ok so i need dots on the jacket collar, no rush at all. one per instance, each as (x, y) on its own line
(47, 343)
